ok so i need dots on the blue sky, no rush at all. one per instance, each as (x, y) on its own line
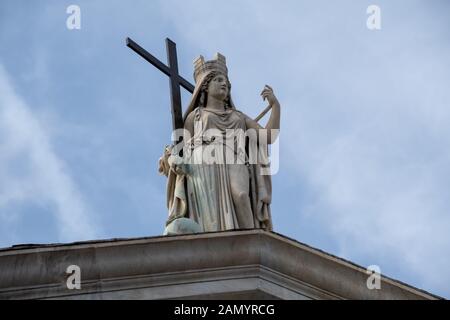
(365, 140)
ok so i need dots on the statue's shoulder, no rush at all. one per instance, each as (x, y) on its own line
(192, 116)
(240, 113)
(193, 113)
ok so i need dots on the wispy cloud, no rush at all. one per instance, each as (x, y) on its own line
(31, 171)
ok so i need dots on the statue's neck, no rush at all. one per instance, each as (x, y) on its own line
(215, 104)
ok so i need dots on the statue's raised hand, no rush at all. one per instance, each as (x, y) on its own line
(267, 94)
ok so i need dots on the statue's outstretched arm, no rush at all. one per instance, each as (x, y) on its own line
(274, 120)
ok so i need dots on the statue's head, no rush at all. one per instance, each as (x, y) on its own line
(215, 85)
(218, 87)
(211, 79)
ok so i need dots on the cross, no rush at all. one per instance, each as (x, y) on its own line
(172, 71)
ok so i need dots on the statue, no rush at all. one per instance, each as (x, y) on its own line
(229, 191)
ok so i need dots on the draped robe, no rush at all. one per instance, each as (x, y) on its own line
(204, 193)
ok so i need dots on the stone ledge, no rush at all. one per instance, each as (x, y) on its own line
(263, 263)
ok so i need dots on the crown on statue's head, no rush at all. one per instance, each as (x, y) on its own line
(201, 66)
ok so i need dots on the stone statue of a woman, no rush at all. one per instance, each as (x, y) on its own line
(219, 195)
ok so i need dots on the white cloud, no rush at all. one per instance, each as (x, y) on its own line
(31, 172)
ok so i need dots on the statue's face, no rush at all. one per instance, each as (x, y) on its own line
(218, 87)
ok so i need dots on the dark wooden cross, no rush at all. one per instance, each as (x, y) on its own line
(172, 71)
